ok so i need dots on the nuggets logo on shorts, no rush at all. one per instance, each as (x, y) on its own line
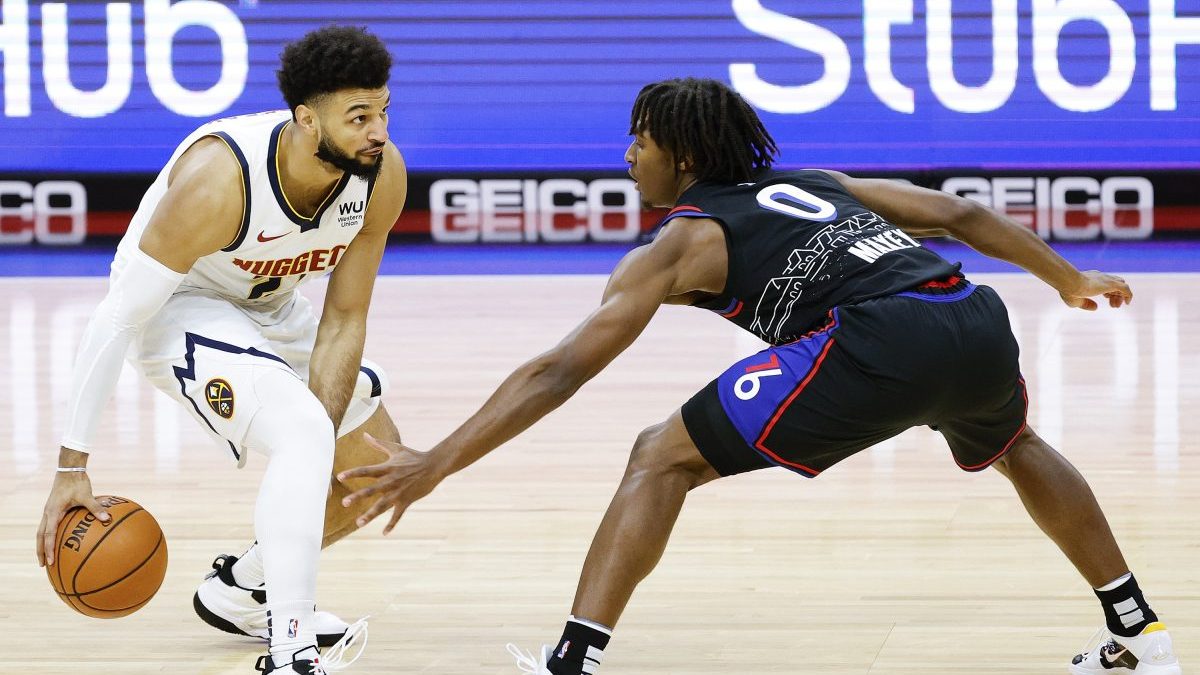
(219, 395)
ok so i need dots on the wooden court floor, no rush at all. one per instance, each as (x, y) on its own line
(894, 563)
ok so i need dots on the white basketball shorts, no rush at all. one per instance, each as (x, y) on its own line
(203, 351)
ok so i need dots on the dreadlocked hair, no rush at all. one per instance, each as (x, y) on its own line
(330, 59)
(707, 126)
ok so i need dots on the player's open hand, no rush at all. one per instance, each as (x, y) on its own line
(1093, 283)
(403, 478)
(69, 490)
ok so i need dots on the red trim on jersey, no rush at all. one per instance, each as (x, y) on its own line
(830, 322)
(760, 443)
(773, 363)
(734, 312)
(1007, 446)
(948, 283)
(684, 207)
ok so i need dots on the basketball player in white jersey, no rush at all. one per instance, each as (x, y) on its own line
(203, 298)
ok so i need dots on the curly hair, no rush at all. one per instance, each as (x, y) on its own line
(706, 125)
(330, 59)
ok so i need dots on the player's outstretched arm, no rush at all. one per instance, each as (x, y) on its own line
(342, 332)
(926, 213)
(200, 213)
(643, 280)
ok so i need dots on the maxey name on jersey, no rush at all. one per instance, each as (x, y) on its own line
(870, 248)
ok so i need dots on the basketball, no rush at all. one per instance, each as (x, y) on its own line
(107, 570)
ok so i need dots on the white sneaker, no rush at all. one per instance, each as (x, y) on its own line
(309, 660)
(224, 605)
(1149, 653)
(527, 663)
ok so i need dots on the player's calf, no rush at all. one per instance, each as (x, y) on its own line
(353, 451)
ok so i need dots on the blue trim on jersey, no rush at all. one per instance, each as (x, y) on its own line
(189, 373)
(732, 303)
(305, 224)
(241, 158)
(376, 385)
(949, 297)
(795, 361)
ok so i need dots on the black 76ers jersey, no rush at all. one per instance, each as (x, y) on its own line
(799, 244)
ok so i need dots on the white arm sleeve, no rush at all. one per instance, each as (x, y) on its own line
(137, 293)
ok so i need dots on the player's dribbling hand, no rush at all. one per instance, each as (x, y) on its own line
(403, 478)
(69, 490)
(1093, 283)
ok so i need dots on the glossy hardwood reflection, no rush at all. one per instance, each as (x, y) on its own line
(893, 563)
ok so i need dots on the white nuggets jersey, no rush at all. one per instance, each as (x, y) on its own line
(275, 248)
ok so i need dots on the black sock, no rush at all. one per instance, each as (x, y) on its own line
(579, 650)
(1125, 610)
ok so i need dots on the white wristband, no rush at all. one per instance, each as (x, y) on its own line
(72, 469)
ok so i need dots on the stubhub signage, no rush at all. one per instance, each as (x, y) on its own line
(547, 84)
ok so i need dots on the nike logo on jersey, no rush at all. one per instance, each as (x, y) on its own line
(265, 239)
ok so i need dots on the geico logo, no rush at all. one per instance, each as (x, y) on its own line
(29, 211)
(1049, 20)
(161, 20)
(1069, 207)
(555, 210)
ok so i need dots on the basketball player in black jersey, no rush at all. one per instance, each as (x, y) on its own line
(870, 334)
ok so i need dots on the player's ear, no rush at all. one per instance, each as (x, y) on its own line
(306, 119)
(684, 162)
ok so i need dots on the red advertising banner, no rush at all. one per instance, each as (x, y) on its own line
(57, 210)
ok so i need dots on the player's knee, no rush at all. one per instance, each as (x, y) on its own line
(647, 449)
(1028, 448)
(313, 423)
(658, 450)
(291, 420)
(308, 432)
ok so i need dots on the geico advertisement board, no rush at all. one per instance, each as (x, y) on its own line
(601, 208)
(547, 84)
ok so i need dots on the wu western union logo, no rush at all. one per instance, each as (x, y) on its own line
(310, 261)
(219, 395)
(351, 213)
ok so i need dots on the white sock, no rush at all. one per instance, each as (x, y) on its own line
(291, 629)
(248, 570)
(591, 624)
(1120, 580)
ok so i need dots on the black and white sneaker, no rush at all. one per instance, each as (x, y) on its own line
(1149, 653)
(224, 605)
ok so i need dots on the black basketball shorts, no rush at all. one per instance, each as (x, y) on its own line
(941, 355)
